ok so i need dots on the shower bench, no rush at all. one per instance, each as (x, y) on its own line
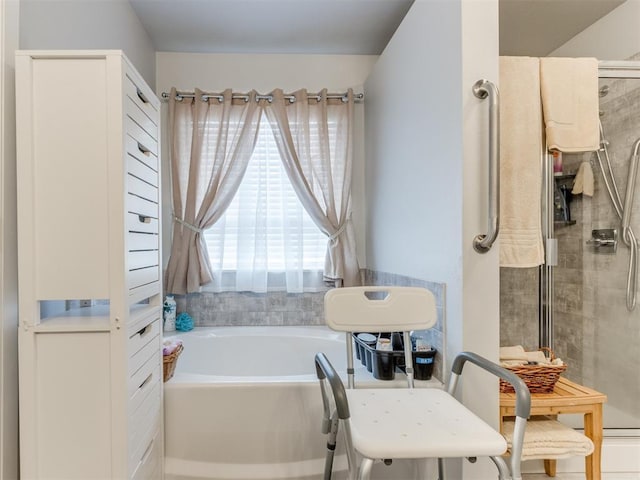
(567, 397)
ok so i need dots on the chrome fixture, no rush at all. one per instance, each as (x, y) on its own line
(623, 211)
(604, 240)
(486, 89)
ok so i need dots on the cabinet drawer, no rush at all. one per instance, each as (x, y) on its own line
(137, 115)
(142, 189)
(141, 97)
(141, 223)
(142, 206)
(148, 467)
(146, 141)
(145, 418)
(138, 151)
(143, 375)
(142, 337)
(143, 276)
(142, 171)
(143, 259)
(142, 241)
(141, 316)
(149, 351)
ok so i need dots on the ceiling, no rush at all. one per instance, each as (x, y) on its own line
(364, 27)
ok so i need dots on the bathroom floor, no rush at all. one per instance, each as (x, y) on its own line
(579, 476)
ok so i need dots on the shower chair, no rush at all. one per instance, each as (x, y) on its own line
(406, 423)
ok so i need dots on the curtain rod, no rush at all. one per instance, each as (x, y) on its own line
(357, 97)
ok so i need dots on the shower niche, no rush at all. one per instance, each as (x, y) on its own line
(562, 199)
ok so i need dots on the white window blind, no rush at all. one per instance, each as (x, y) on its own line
(266, 240)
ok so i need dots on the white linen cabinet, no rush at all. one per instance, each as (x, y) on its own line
(88, 233)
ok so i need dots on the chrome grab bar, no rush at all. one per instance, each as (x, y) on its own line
(486, 89)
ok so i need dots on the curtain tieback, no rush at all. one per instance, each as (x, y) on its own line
(341, 229)
(188, 225)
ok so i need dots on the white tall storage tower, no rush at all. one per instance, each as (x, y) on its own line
(88, 229)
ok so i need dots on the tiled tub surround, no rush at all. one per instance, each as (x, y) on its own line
(210, 309)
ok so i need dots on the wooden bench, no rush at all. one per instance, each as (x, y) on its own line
(567, 397)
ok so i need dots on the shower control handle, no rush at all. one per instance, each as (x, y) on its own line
(604, 240)
(598, 242)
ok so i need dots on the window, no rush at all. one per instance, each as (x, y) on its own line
(266, 240)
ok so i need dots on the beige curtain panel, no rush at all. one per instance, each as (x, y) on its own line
(317, 157)
(211, 143)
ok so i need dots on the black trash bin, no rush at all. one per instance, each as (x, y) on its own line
(423, 364)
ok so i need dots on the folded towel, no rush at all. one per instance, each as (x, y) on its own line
(538, 357)
(569, 89)
(546, 438)
(512, 363)
(584, 180)
(520, 163)
(515, 352)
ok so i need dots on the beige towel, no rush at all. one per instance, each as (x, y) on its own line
(538, 357)
(569, 89)
(520, 163)
(584, 180)
(548, 438)
(515, 352)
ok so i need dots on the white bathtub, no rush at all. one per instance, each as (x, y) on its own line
(244, 404)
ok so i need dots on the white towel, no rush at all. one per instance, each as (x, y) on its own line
(569, 89)
(584, 180)
(545, 438)
(520, 163)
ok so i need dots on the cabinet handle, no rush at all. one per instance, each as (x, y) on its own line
(144, 150)
(144, 219)
(147, 452)
(146, 381)
(142, 96)
(143, 331)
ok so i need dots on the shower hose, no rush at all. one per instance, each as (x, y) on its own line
(623, 211)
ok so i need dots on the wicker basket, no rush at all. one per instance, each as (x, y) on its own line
(169, 362)
(539, 378)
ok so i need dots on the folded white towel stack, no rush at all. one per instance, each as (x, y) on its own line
(520, 163)
(569, 90)
(545, 438)
(513, 356)
(584, 182)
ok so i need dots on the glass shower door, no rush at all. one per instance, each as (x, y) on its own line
(594, 331)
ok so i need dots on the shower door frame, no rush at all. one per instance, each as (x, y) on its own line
(616, 70)
(620, 70)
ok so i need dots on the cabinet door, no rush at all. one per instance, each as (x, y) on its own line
(73, 405)
(63, 195)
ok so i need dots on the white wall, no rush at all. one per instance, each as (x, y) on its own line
(9, 10)
(426, 175)
(216, 72)
(95, 24)
(615, 36)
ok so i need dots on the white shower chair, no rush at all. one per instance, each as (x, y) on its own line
(406, 423)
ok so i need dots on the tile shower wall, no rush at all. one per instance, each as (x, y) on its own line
(519, 307)
(280, 308)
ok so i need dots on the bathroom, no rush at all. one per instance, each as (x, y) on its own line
(446, 162)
